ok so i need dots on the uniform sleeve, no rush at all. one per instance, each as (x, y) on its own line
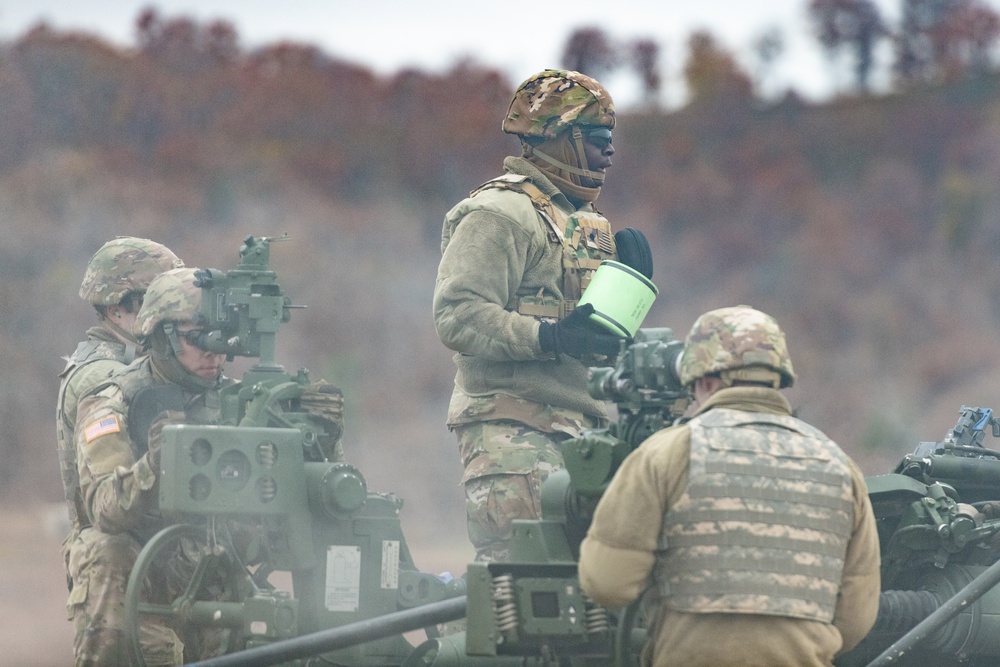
(114, 485)
(83, 380)
(857, 603)
(618, 554)
(479, 275)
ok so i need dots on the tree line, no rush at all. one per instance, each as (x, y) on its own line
(868, 226)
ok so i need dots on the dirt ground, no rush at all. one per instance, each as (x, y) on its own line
(34, 631)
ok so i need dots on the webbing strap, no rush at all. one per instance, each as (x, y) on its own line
(835, 524)
(759, 542)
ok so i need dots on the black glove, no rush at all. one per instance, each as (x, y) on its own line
(633, 251)
(576, 335)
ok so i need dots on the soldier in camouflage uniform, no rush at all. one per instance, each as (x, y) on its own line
(114, 283)
(516, 256)
(751, 530)
(118, 471)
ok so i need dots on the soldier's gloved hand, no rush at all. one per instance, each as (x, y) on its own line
(576, 335)
(156, 435)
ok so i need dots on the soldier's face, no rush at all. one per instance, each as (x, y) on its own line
(194, 359)
(598, 150)
(600, 139)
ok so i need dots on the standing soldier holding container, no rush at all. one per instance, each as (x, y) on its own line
(516, 257)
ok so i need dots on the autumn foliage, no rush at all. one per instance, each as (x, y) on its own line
(868, 226)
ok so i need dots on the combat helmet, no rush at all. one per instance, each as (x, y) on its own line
(173, 296)
(125, 265)
(737, 343)
(555, 99)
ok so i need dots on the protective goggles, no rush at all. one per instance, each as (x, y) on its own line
(599, 137)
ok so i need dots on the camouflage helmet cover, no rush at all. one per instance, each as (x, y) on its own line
(734, 338)
(173, 296)
(555, 99)
(123, 265)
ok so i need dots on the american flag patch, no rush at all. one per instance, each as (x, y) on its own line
(102, 427)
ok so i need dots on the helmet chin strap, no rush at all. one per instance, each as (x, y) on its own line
(581, 157)
(173, 338)
(165, 347)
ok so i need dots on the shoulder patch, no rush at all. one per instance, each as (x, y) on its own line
(102, 427)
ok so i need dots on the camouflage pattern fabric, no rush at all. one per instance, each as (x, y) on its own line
(474, 304)
(118, 482)
(730, 339)
(466, 409)
(124, 265)
(505, 465)
(553, 100)
(91, 364)
(764, 524)
(100, 566)
(584, 236)
(172, 297)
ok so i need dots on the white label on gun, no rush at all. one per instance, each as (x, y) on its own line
(343, 578)
(390, 563)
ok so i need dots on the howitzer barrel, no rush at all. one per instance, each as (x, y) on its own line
(954, 606)
(968, 473)
(345, 636)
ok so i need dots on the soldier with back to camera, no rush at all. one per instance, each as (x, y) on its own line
(751, 530)
(516, 257)
(115, 283)
(118, 457)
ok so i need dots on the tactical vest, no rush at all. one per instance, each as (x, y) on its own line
(764, 524)
(130, 380)
(86, 352)
(585, 238)
(201, 408)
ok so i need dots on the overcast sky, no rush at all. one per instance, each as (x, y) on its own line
(517, 38)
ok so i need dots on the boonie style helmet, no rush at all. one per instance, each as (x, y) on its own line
(122, 266)
(171, 297)
(554, 99)
(739, 342)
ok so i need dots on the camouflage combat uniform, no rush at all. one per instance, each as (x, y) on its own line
(649, 531)
(119, 492)
(120, 270)
(92, 363)
(518, 251)
(118, 486)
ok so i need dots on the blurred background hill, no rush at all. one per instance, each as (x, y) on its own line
(868, 224)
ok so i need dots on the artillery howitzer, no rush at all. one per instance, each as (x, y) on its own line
(260, 497)
(356, 589)
(355, 586)
(938, 516)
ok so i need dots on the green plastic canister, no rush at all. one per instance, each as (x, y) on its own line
(621, 297)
